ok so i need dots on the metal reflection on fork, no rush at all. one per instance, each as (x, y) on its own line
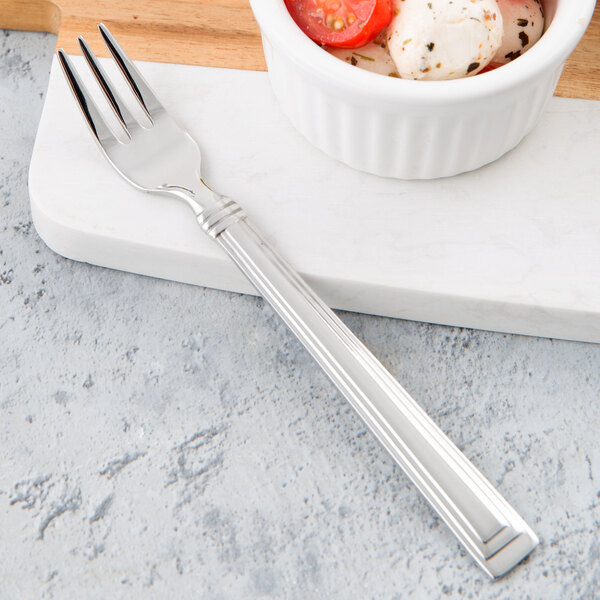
(164, 159)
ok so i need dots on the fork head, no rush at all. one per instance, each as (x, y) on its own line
(161, 157)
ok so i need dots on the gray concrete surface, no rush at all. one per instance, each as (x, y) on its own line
(165, 441)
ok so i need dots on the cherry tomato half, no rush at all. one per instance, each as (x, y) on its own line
(341, 23)
(491, 67)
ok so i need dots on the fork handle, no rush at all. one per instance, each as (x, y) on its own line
(490, 529)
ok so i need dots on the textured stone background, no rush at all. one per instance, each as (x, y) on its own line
(160, 440)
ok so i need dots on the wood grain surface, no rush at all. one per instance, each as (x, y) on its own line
(215, 33)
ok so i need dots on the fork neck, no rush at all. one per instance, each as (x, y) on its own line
(214, 213)
(199, 197)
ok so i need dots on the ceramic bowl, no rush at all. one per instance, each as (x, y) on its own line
(414, 129)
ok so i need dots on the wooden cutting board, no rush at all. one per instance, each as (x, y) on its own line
(214, 33)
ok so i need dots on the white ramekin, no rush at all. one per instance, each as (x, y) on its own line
(414, 129)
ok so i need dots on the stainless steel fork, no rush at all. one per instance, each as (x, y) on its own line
(164, 159)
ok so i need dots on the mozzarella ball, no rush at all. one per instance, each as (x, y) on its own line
(523, 27)
(437, 39)
(373, 57)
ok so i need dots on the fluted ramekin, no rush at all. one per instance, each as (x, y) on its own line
(414, 129)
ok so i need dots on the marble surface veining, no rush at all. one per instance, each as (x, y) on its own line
(160, 440)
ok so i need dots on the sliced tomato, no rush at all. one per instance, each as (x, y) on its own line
(341, 23)
(491, 67)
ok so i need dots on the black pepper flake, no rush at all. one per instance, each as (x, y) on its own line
(522, 22)
(353, 61)
(472, 67)
(513, 55)
(524, 38)
(430, 46)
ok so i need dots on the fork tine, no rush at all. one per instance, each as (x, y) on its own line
(136, 81)
(90, 111)
(121, 111)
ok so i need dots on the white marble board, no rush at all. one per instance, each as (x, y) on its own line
(513, 247)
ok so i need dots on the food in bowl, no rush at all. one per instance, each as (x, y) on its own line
(422, 39)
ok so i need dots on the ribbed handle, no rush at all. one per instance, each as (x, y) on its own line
(495, 535)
